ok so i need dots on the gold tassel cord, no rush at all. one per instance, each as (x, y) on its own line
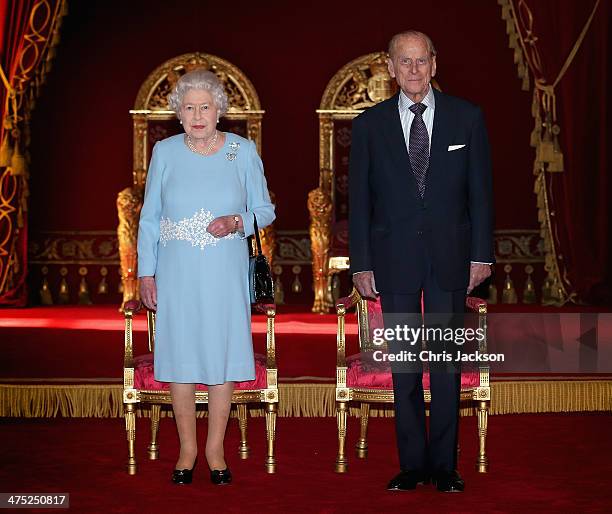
(545, 134)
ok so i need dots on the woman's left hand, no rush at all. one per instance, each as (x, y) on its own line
(222, 226)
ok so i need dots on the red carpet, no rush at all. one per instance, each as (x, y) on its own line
(539, 463)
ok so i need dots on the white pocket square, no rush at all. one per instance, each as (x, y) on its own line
(454, 147)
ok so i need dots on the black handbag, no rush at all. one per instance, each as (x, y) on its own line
(261, 285)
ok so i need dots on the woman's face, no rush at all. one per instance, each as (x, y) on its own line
(199, 114)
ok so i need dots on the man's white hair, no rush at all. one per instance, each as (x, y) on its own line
(198, 79)
(431, 49)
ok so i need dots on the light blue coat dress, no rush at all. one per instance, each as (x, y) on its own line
(203, 325)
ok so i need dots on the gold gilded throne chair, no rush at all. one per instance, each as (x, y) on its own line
(359, 84)
(364, 381)
(153, 121)
(141, 388)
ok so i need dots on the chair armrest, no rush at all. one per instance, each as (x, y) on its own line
(475, 304)
(132, 305)
(340, 333)
(349, 301)
(128, 356)
(270, 311)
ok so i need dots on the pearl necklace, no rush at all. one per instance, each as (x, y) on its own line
(211, 145)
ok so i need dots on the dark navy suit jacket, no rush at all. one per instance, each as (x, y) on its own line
(396, 233)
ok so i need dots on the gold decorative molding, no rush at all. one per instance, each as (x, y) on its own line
(361, 83)
(94, 247)
(153, 94)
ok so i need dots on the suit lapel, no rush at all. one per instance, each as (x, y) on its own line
(441, 134)
(395, 139)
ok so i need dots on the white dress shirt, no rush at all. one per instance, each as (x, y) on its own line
(407, 116)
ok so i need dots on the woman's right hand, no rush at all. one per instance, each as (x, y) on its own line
(148, 292)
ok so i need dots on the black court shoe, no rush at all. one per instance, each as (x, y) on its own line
(448, 482)
(183, 476)
(407, 480)
(221, 476)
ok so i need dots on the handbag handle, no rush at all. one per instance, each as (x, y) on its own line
(257, 240)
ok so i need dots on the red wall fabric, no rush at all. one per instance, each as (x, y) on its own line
(82, 133)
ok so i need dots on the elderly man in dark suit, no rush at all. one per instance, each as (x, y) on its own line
(421, 225)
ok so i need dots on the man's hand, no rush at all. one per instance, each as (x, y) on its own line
(223, 226)
(478, 274)
(365, 284)
(148, 292)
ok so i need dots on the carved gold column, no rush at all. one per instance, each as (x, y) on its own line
(129, 203)
(320, 207)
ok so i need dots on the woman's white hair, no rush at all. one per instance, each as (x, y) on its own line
(198, 79)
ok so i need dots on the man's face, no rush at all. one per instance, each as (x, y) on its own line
(412, 66)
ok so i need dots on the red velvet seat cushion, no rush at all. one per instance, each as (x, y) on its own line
(368, 373)
(144, 379)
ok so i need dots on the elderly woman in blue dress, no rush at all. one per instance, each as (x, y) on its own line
(203, 189)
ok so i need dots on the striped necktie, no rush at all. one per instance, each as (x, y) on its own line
(418, 147)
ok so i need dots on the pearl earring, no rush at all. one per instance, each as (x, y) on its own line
(181, 122)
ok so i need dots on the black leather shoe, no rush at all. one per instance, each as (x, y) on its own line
(221, 476)
(183, 476)
(448, 481)
(407, 480)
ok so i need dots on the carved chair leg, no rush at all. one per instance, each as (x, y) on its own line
(155, 415)
(271, 436)
(243, 448)
(362, 443)
(482, 464)
(341, 460)
(130, 428)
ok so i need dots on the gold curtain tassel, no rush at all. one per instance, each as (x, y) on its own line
(84, 298)
(525, 85)
(56, 38)
(492, 294)
(18, 162)
(45, 293)
(296, 285)
(513, 41)
(6, 152)
(509, 293)
(535, 136)
(556, 164)
(529, 294)
(64, 294)
(545, 151)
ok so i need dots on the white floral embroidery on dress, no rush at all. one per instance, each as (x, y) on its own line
(190, 229)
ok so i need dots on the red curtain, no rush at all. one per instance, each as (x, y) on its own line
(26, 29)
(581, 194)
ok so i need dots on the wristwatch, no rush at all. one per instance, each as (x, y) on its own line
(236, 221)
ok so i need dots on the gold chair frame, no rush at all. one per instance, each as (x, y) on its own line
(361, 83)
(152, 104)
(480, 395)
(241, 398)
